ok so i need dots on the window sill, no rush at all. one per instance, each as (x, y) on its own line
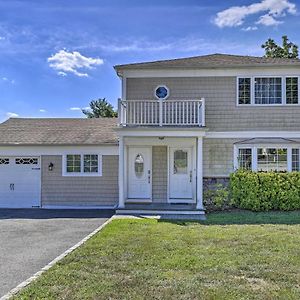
(267, 105)
(81, 175)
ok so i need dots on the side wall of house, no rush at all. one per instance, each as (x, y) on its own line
(220, 93)
(58, 190)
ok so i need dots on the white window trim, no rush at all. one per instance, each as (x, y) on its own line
(82, 173)
(252, 92)
(254, 154)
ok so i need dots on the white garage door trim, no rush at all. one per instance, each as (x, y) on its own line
(20, 181)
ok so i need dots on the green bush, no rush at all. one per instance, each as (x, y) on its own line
(263, 191)
(216, 198)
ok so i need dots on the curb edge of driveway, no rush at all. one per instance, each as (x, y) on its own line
(26, 282)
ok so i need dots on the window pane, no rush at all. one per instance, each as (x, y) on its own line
(268, 91)
(244, 90)
(139, 166)
(90, 163)
(295, 160)
(245, 159)
(292, 90)
(180, 162)
(271, 159)
(73, 163)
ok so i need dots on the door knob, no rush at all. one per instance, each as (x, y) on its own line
(191, 176)
(149, 177)
(12, 186)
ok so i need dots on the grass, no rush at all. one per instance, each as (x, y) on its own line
(230, 256)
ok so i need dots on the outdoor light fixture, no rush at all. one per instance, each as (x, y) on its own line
(50, 167)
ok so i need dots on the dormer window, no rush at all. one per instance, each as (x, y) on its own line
(161, 92)
(262, 90)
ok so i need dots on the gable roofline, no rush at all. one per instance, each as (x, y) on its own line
(212, 61)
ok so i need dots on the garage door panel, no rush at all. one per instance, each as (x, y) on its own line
(20, 182)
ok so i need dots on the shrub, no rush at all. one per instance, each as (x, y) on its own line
(216, 198)
(263, 191)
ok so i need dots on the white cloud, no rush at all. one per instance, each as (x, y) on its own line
(75, 108)
(250, 28)
(2, 38)
(42, 110)
(12, 115)
(268, 20)
(72, 62)
(235, 16)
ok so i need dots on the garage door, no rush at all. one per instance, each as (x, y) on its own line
(20, 182)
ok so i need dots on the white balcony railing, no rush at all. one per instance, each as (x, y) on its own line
(162, 113)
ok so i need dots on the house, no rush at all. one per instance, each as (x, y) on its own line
(184, 125)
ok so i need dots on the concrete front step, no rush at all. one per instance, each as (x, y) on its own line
(164, 214)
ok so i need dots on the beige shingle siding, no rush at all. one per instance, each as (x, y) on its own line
(222, 113)
(79, 191)
(218, 157)
(160, 174)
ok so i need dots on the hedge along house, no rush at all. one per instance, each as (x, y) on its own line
(183, 125)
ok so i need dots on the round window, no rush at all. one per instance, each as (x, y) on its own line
(161, 92)
(139, 166)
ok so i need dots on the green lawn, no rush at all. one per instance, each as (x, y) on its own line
(238, 255)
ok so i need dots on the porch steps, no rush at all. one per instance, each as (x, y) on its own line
(163, 211)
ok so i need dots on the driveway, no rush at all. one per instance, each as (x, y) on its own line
(31, 238)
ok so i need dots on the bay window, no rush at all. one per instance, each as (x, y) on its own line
(261, 90)
(268, 158)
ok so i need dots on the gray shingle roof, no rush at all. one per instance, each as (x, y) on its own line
(212, 61)
(50, 131)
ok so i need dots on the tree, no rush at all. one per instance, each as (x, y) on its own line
(288, 49)
(100, 108)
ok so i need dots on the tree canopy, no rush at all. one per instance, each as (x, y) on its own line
(100, 108)
(287, 50)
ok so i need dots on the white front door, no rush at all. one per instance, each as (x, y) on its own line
(139, 173)
(181, 175)
(20, 182)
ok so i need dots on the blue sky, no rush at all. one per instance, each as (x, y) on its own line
(56, 56)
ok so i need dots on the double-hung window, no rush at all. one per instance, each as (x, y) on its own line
(268, 90)
(82, 165)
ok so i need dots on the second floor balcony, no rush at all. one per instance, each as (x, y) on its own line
(162, 113)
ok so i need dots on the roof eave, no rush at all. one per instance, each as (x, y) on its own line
(120, 70)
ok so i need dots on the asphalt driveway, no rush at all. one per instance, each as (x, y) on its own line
(31, 238)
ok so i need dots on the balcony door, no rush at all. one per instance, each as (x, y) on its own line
(139, 173)
(181, 175)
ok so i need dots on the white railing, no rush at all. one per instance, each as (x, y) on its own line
(162, 113)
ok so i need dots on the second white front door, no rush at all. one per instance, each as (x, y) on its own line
(181, 175)
(139, 173)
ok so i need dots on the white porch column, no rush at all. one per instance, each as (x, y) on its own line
(199, 204)
(121, 172)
